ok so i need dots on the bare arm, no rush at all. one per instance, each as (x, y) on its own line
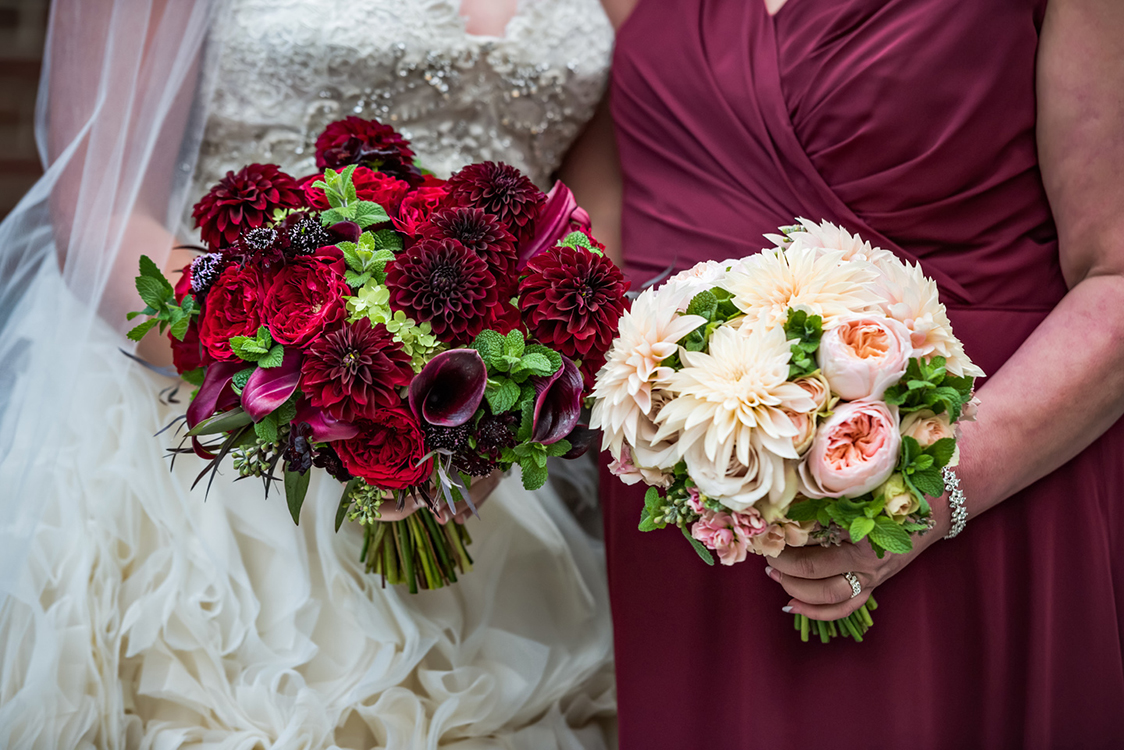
(592, 171)
(1073, 364)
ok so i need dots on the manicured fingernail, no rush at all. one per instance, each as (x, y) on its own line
(772, 573)
(786, 610)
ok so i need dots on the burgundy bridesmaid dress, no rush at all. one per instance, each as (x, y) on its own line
(913, 123)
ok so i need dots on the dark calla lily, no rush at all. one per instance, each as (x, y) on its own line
(325, 427)
(268, 388)
(448, 391)
(581, 438)
(556, 219)
(558, 403)
(345, 231)
(216, 383)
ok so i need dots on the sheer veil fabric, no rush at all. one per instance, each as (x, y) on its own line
(133, 613)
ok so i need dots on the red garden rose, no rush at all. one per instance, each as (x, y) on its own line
(370, 185)
(387, 450)
(354, 371)
(242, 201)
(416, 208)
(306, 297)
(572, 300)
(188, 354)
(233, 308)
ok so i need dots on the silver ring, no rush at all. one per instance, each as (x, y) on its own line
(856, 587)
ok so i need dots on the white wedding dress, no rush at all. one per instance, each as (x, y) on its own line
(139, 615)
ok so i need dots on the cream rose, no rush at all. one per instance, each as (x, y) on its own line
(926, 427)
(864, 355)
(900, 502)
(737, 485)
(818, 388)
(780, 535)
(855, 450)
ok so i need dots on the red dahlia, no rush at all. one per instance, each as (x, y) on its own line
(353, 372)
(354, 141)
(442, 281)
(244, 200)
(572, 300)
(481, 233)
(500, 190)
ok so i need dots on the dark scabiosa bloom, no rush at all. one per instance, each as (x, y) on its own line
(352, 372)
(242, 201)
(306, 235)
(480, 232)
(572, 300)
(264, 245)
(494, 433)
(204, 270)
(445, 283)
(501, 190)
(298, 453)
(327, 459)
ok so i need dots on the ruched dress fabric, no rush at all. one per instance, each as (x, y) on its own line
(149, 617)
(911, 122)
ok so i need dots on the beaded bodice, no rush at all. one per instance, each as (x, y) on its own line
(287, 68)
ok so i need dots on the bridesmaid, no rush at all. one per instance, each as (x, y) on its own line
(982, 138)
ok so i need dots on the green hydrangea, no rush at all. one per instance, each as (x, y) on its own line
(372, 301)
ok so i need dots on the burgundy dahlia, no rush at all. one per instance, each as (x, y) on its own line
(445, 283)
(353, 372)
(354, 140)
(480, 232)
(572, 300)
(244, 200)
(501, 190)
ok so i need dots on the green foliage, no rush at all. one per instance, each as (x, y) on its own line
(804, 331)
(269, 428)
(339, 189)
(576, 240)
(702, 551)
(921, 468)
(717, 307)
(196, 376)
(160, 302)
(258, 348)
(367, 259)
(531, 458)
(240, 379)
(296, 487)
(861, 517)
(502, 395)
(510, 362)
(927, 385)
(890, 536)
(653, 502)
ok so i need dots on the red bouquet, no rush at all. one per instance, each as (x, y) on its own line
(403, 333)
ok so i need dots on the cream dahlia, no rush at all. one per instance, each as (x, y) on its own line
(680, 289)
(827, 236)
(766, 285)
(733, 395)
(623, 394)
(907, 295)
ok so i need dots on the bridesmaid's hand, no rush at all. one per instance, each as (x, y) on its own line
(480, 490)
(813, 575)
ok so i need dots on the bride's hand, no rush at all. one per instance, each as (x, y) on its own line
(480, 490)
(813, 575)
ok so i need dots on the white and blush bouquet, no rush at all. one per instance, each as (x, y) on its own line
(805, 394)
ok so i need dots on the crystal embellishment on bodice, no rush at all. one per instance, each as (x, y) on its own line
(287, 68)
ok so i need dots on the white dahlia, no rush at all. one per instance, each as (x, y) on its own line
(819, 281)
(907, 295)
(827, 236)
(623, 391)
(680, 289)
(733, 395)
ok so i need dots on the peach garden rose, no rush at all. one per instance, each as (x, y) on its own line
(855, 450)
(864, 355)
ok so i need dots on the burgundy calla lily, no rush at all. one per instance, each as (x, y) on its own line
(216, 383)
(556, 219)
(268, 388)
(449, 389)
(558, 403)
(581, 438)
(345, 231)
(325, 427)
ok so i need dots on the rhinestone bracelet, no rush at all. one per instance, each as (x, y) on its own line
(955, 502)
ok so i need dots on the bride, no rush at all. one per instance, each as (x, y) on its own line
(133, 613)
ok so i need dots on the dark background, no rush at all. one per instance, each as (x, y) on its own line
(22, 29)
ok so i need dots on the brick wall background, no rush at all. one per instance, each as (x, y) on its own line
(22, 30)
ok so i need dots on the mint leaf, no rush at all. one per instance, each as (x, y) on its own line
(928, 481)
(156, 293)
(179, 328)
(387, 239)
(942, 451)
(561, 448)
(368, 213)
(534, 475)
(860, 527)
(537, 364)
(503, 397)
(646, 523)
(705, 304)
(356, 280)
(273, 358)
(890, 536)
(514, 344)
(138, 332)
(552, 356)
(266, 429)
(804, 331)
(490, 346)
(240, 379)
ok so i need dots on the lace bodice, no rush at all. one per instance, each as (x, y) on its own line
(289, 67)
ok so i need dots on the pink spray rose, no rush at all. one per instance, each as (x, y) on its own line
(855, 450)
(728, 534)
(776, 536)
(864, 355)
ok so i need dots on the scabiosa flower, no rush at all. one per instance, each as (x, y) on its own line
(244, 200)
(204, 270)
(480, 232)
(494, 433)
(354, 140)
(305, 234)
(445, 283)
(262, 244)
(501, 190)
(353, 372)
(327, 459)
(571, 301)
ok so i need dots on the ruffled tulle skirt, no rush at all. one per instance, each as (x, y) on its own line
(140, 615)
